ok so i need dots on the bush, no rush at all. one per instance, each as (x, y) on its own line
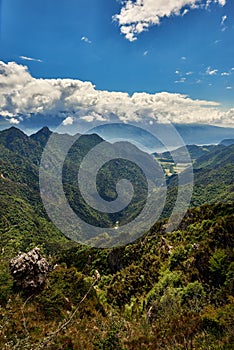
(193, 295)
(177, 257)
(6, 284)
(65, 288)
(218, 266)
(229, 283)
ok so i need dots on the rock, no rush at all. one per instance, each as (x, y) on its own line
(29, 270)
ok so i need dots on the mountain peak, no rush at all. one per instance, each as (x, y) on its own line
(13, 129)
(12, 133)
(42, 136)
(45, 130)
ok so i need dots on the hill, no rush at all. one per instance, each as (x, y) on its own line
(194, 151)
(218, 157)
(213, 179)
(20, 160)
(227, 142)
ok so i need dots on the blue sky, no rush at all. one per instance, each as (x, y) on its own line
(191, 54)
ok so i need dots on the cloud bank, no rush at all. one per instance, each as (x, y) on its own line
(22, 96)
(136, 16)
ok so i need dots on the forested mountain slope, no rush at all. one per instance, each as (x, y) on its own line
(167, 290)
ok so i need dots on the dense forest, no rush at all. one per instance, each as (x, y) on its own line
(166, 290)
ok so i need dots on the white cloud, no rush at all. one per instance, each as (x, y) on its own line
(221, 2)
(223, 26)
(182, 80)
(184, 58)
(225, 74)
(189, 73)
(229, 87)
(145, 53)
(13, 121)
(185, 12)
(21, 96)
(86, 40)
(68, 121)
(228, 117)
(136, 16)
(25, 58)
(224, 18)
(210, 71)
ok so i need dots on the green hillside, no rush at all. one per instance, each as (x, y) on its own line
(213, 179)
(194, 151)
(164, 291)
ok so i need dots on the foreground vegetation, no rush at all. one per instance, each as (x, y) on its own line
(165, 291)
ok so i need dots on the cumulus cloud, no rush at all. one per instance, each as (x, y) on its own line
(227, 73)
(136, 16)
(210, 71)
(228, 117)
(22, 96)
(68, 121)
(13, 121)
(221, 2)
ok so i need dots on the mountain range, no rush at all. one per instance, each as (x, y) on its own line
(20, 161)
(192, 134)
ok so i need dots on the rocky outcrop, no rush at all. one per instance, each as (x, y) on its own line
(29, 270)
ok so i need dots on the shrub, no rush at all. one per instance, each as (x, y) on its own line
(193, 296)
(177, 257)
(6, 283)
(65, 288)
(218, 266)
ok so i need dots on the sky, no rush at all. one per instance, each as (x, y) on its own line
(164, 60)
